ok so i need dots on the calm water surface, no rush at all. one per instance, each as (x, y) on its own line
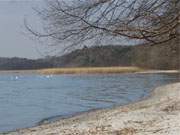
(25, 100)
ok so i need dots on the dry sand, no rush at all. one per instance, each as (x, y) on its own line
(158, 114)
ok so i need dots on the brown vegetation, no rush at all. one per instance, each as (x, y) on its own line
(87, 70)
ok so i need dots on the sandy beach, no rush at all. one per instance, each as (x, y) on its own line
(159, 114)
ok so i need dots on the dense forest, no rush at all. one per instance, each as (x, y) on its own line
(161, 56)
(23, 64)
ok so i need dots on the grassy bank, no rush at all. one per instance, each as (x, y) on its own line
(90, 70)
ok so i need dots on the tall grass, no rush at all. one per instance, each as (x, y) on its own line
(90, 70)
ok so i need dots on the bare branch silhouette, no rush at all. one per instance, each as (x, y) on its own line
(77, 22)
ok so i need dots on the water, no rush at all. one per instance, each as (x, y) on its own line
(25, 100)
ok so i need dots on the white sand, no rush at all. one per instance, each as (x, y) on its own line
(159, 114)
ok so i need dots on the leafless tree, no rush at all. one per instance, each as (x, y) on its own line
(77, 22)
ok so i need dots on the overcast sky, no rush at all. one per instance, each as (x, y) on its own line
(13, 43)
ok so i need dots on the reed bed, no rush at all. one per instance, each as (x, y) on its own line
(90, 70)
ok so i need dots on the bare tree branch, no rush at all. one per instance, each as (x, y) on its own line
(77, 22)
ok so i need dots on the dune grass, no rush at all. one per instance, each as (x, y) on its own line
(90, 70)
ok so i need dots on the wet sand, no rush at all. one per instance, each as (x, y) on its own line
(159, 114)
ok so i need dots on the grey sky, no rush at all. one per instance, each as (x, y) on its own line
(12, 40)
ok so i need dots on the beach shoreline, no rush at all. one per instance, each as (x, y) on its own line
(157, 114)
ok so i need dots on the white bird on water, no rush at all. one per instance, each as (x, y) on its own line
(49, 76)
(16, 77)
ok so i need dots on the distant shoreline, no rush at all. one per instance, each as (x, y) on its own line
(88, 70)
(18, 71)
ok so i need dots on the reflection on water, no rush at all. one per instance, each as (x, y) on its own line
(27, 99)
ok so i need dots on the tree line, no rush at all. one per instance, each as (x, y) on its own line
(23, 64)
